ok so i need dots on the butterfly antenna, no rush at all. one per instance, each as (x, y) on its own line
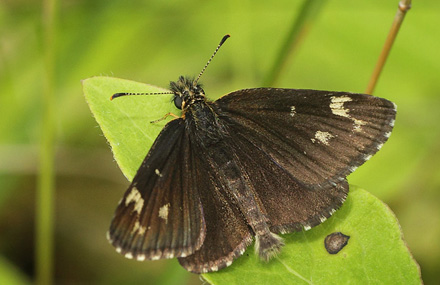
(116, 95)
(212, 56)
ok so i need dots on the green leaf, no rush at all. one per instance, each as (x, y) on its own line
(125, 121)
(375, 253)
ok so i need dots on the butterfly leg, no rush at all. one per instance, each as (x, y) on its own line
(164, 117)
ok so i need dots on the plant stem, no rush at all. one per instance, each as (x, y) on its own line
(404, 6)
(46, 182)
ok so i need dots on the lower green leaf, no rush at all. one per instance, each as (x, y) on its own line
(375, 253)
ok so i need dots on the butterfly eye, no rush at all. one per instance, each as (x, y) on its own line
(178, 101)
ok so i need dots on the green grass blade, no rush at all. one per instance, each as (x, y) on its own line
(46, 179)
(301, 25)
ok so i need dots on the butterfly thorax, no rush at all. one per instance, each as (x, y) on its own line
(199, 114)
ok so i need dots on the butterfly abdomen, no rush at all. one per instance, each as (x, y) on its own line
(238, 188)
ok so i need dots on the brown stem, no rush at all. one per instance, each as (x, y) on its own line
(404, 6)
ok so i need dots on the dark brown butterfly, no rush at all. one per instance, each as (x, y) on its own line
(252, 164)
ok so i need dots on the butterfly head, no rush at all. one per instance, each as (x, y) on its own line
(186, 92)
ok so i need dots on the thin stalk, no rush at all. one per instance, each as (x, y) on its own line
(46, 181)
(404, 6)
(300, 27)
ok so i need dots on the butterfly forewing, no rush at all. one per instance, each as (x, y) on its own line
(160, 215)
(318, 137)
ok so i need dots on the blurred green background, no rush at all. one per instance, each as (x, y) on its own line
(155, 42)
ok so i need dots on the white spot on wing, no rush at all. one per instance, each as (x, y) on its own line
(135, 197)
(337, 106)
(292, 111)
(129, 255)
(392, 123)
(323, 137)
(163, 212)
(158, 172)
(166, 254)
(306, 228)
(140, 257)
(155, 257)
(358, 124)
(138, 228)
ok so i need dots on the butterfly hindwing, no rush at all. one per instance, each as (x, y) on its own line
(288, 205)
(227, 233)
(160, 215)
(319, 137)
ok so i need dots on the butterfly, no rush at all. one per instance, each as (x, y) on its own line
(249, 166)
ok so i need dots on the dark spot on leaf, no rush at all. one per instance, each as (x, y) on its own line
(334, 242)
